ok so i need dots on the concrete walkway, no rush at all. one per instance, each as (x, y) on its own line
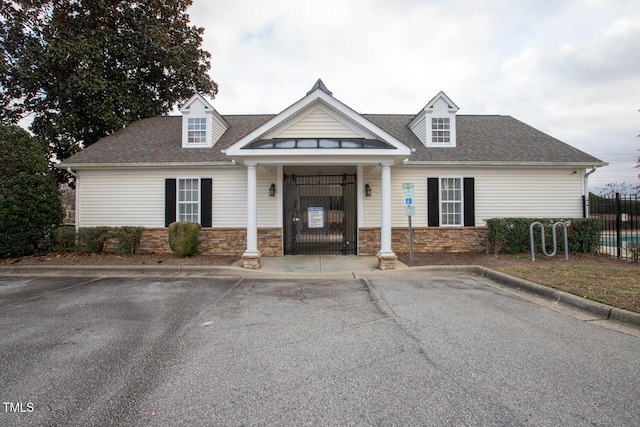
(321, 263)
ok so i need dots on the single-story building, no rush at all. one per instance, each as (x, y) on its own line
(321, 178)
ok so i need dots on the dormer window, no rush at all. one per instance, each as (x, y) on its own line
(202, 126)
(435, 125)
(197, 131)
(440, 130)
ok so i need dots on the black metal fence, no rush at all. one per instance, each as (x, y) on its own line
(620, 216)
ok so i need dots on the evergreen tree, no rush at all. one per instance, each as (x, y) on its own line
(30, 208)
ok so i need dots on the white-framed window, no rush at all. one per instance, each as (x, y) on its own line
(188, 200)
(440, 130)
(197, 131)
(451, 201)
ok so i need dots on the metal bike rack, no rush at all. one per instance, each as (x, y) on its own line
(555, 242)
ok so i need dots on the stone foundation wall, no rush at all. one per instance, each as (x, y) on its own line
(426, 239)
(368, 241)
(216, 241)
(269, 241)
(233, 241)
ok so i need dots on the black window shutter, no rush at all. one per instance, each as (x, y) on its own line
(469, 203)
(433, 201)
(169, 201)
(206, 205)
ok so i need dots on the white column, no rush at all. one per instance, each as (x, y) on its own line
(360, 191)
(385, 209)
(279, 195)
(252, 212)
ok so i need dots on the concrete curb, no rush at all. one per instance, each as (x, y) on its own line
(590, 306)
(114, 271)
(598, 309)
(167, 271)
(593, 307)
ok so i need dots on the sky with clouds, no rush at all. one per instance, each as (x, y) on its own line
(570, 68)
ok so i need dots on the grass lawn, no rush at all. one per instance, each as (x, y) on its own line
(615, 286)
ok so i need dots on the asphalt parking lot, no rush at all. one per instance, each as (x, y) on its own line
(410, 350)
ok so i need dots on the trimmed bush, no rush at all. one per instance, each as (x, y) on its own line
(184, 238)
(511, 235)
(65, 238)
(128, 239)
(93, 240)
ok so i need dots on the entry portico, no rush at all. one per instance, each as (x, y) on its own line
(322, 132)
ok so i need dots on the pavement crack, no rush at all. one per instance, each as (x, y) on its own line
(377, 299)
(382, 305)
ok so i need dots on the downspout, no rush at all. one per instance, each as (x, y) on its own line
(586, 188)
(75, 176)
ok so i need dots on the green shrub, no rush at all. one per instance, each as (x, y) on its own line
(93, 240)
(511, 235)
(183, 238)
(65, 238)
(584, 234)
(128, 239)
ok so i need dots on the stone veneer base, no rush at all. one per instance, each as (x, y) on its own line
(250, 261)
(232, 241)
(387, 262)
(425, 239)
(216, 241)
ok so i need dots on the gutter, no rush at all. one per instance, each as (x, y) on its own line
(593, 169)
(68, 166)
(408, 162)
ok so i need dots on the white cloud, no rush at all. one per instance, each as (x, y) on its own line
(568, 68)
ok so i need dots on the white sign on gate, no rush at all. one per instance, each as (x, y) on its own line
(315, 217)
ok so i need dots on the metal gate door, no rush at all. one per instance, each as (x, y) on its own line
(320, 214)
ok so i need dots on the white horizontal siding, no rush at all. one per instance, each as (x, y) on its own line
(499, 192)
(118, 197)
(267, 206)
(217, 129)
(528, 193)
(123, 197)
(136, 197)
(419, 128)
(229, 197)
(371, 205)
(318, 124)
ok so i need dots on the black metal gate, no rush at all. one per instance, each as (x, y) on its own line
(320, 214)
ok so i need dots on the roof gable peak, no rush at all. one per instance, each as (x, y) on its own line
(195, 97)
(441, 96)
(318, 102)
(320, 85)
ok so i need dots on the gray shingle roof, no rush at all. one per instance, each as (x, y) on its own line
(487, 139)
(479, 139)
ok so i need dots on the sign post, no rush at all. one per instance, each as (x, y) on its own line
(409, 211)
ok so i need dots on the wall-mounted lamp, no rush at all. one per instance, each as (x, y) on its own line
(367, 190)
(272, 190)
